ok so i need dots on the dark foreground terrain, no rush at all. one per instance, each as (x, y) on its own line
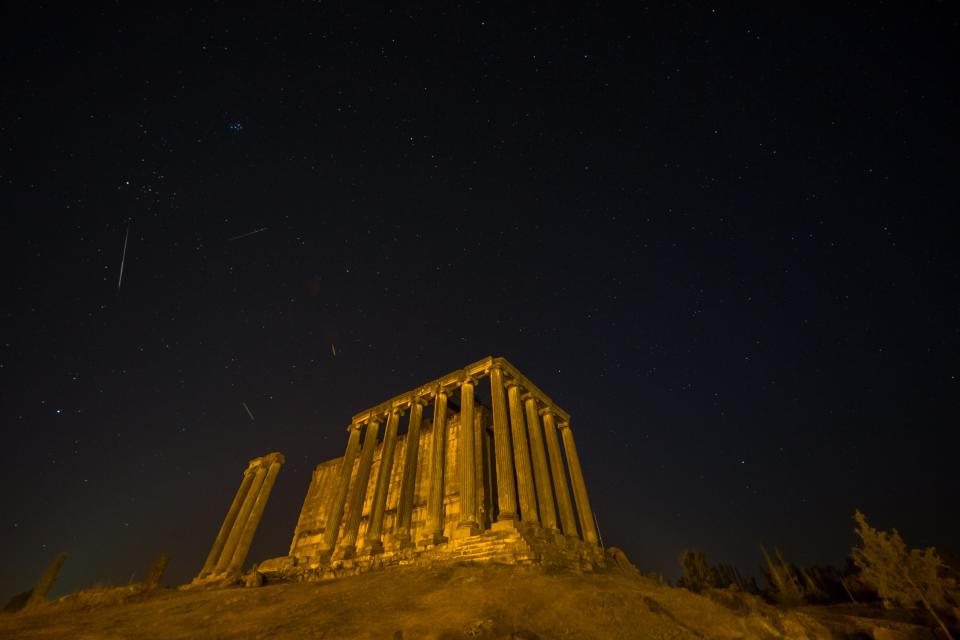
(443, 603)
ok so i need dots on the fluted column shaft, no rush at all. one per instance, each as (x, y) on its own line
(228, 522)
(233, 540)
(521, 457)
(541, 474)
(438, 454)
(379, 506)
(408, 484)
(467, 459)
(335, 513)
(351, 525)
(587, 525)
(253, 520)
(506, 489)
(567, 520)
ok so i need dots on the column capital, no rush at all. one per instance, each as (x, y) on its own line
(420, 400)
(275, 457)
(529, 396)
(564, 425)
(547, 409)
(512, 382)
(265, 461)
(468, 379)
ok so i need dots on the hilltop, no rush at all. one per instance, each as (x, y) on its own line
(442, 602)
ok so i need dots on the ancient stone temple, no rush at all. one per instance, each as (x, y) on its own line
(434, 474)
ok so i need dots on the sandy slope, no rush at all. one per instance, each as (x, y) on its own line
(485, 601)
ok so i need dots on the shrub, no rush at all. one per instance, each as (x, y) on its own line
(786, 583)
(698, 574)
(898, 575)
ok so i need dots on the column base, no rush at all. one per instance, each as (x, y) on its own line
(505, 525)
(374, 547)
(465, 530)
(404, 541)
(436, 537)
(346, 552)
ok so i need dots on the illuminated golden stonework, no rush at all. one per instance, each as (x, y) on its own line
(472, 483)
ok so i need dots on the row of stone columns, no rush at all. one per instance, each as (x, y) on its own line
(523, 469)
(232, 544)
(535, 485)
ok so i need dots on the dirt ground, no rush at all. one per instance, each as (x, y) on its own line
(452, 602)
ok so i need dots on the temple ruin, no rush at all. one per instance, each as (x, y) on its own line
(232, 544)
(470, 483)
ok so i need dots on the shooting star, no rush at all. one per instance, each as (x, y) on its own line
(334, 350)
(124, 258)
(244, 235)
(248, 410)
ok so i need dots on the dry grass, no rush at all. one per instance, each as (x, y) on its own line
(403, 603)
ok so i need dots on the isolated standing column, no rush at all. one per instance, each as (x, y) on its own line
(506, 489)
(567, 520)
(228, 522)
(275, 461)
(587, 525)
(408, 484)
(233, 541)
(379, 506)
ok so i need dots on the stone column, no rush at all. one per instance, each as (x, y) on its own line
(521, 456)
(467, 461)
(541, 474)
(408, 484)
(351, 526)
(587, 525)
(434, 531)
(506, 489)
(335, 513)
(275, 461)
(233, 540)
(567, 520)
(228, 522)
(379, 506)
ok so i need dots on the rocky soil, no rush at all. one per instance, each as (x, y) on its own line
(450, 602)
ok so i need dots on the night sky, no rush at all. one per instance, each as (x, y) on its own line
(722, 238)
